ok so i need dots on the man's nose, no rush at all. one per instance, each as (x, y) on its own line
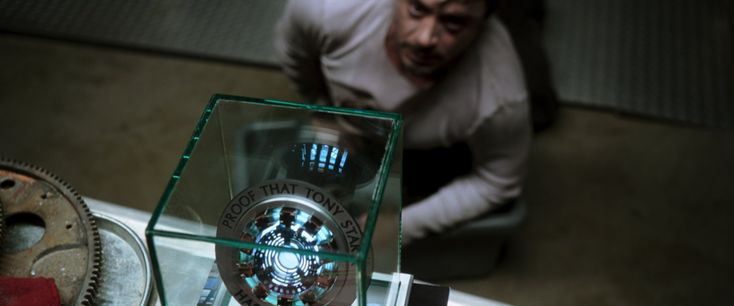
(426, 35)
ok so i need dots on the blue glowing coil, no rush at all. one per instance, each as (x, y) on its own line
(283, 278)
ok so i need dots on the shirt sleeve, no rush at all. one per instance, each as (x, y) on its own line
(500, 146)
(299, 41)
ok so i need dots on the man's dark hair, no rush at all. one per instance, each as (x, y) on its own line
(491, 6)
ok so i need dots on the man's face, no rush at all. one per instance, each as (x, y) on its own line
(432, 33)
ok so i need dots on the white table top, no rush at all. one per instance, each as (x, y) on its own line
(138, 221)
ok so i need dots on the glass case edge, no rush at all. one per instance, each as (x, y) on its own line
(313, 107)
(159, 287)
(163, 202)
(380, 189)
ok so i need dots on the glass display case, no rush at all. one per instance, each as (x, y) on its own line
(281, 203)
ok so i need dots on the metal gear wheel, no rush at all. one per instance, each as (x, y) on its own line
(48, 232)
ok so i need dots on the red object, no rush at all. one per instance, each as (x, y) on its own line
(37, 291)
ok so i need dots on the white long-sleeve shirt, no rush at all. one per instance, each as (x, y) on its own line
(334, 51)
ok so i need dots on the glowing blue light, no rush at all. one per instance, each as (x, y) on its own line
(284, 279)
(289, 260)
(324, 235)
(272, 298)
(327, 266)
(324, 152)
(302, 218)
(275, 212)
(322, 157)
(318, 290)
(332, 160)
(314, 148)
(344, 161)
(252, 281)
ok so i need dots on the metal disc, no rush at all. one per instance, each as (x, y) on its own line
(48, 232)
(287, 214)
(126, 278)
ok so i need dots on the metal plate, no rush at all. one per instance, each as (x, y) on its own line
(126, 272)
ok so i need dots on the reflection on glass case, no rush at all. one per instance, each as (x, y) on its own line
(280, 203)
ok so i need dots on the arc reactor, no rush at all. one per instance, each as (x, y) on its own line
(294, 215)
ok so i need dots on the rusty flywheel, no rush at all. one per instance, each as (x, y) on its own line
(48, 231)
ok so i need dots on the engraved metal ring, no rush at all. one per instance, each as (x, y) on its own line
(295, 215)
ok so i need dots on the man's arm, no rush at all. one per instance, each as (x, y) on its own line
(299, 44)
(500, 147)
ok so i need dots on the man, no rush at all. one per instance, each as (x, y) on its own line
(447, 65)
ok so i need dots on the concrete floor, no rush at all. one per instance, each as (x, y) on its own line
(623, 210)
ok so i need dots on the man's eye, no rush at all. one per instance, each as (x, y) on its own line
(417, 9)
(454, 25)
